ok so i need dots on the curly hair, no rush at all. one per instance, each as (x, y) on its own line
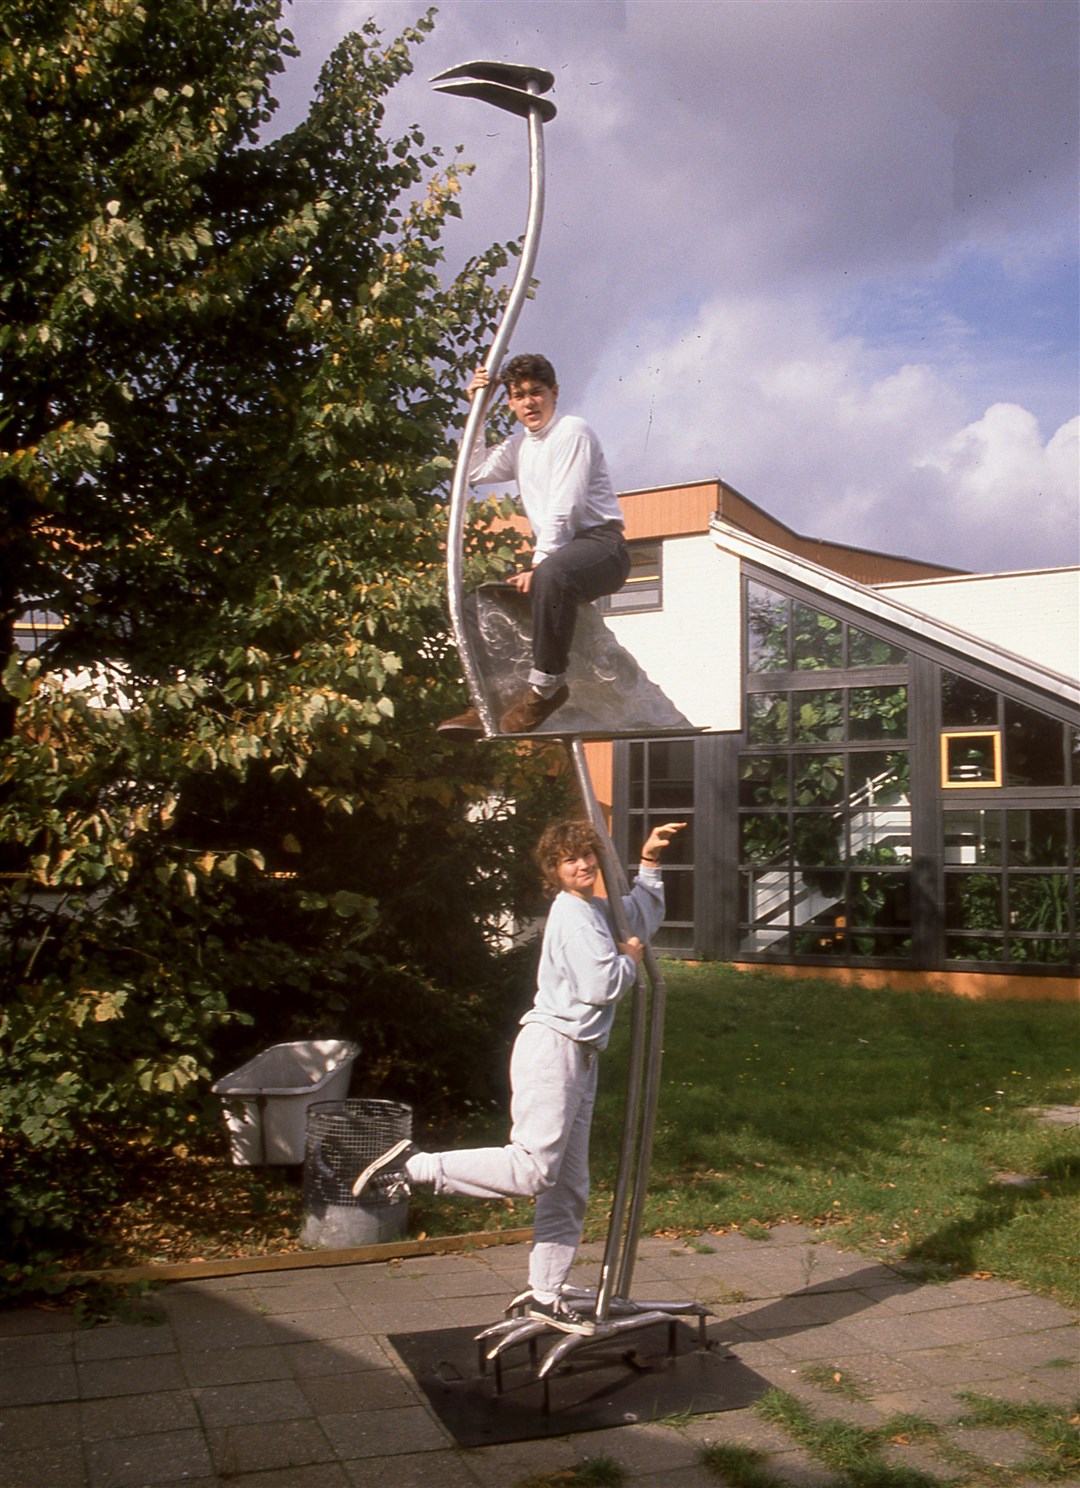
(528, 367)
(562, 840)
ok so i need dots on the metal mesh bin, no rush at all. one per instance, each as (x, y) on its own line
(342, 1138)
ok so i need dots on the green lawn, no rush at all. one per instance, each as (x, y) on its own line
(899, 1120)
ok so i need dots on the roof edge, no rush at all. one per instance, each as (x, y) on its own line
(967, 578)
(870, 600)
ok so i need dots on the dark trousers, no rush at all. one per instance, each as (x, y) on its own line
(594, 563)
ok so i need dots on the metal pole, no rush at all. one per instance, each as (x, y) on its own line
(614, 1262)
(653, 1060)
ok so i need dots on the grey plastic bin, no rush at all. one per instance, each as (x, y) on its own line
(265, 1102)
(342, 1138)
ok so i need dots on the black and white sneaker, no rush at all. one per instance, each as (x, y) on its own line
(561, 1315)
(386, 1161)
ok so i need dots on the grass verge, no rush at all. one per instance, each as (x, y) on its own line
(897, 1122)
(866, 1457)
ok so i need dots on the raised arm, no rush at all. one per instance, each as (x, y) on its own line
(659, 839)
(492, 466)
(644, 905)
(477, 382)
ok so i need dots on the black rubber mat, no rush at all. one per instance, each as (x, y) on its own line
(612, 1382)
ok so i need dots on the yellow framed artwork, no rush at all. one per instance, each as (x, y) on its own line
(970, 760)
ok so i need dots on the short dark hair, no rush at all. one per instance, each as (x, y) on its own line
(529, 367)
(562, 840)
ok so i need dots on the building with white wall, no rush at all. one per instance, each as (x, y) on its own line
(889, 788)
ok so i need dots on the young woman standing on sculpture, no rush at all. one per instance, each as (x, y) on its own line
(584, 973)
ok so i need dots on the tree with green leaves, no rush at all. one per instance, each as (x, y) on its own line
(230, 378)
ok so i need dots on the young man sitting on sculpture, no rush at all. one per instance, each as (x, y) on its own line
(579, 551)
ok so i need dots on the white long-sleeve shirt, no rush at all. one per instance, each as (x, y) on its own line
(562, 479)
(582, 976)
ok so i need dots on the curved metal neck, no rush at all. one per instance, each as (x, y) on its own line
(459, 493)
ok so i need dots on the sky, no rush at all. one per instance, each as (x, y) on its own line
(824, 250)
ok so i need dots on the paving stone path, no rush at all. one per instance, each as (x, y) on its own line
(286, 1379)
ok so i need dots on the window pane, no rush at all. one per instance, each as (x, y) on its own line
(895, 944)
(880, 836)
(763, 839)
(817, 640)
(642, 588)
(767, 722)
(632, 597)
(974, 948)
(966, 704)
(973, 901)
(671, 772)
(818, 717)
(1038, 839)
(971, 758)
(767, 630)
(35, 628)
(879, 899)
(763, 781)
(878, 712)
(765, 897)
(868, 651)
(675, 795)
(820, 941)
(821, 890)
(819, 779)
(878, 777)
(973, 837)
(1034, 747)
(757, 940)
(674, 938)
(679, 896)
(1051, 952)
(819, 838)
(636, 774)
(1039, 902)
(820, 905)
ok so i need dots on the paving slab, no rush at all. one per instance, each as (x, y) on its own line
(45, 1467)
(284, 1378)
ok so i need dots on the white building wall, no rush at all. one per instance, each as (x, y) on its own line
(1034, 614)
(691, 647)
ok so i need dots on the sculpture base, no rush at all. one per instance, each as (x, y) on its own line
(611, 1383)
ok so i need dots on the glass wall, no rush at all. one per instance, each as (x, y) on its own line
(824, 797)
(880, 807)
(660, 788)
(1008, 852)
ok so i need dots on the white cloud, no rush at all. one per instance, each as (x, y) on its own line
(999, 475)
(763, 395)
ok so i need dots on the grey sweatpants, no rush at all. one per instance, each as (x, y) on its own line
(553, 1090)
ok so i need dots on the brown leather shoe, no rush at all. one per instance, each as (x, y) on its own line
(465, 726)
(528, 711)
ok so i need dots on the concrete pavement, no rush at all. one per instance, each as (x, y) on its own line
(286, 1378)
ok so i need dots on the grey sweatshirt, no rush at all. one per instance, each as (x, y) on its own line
(582, 975)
